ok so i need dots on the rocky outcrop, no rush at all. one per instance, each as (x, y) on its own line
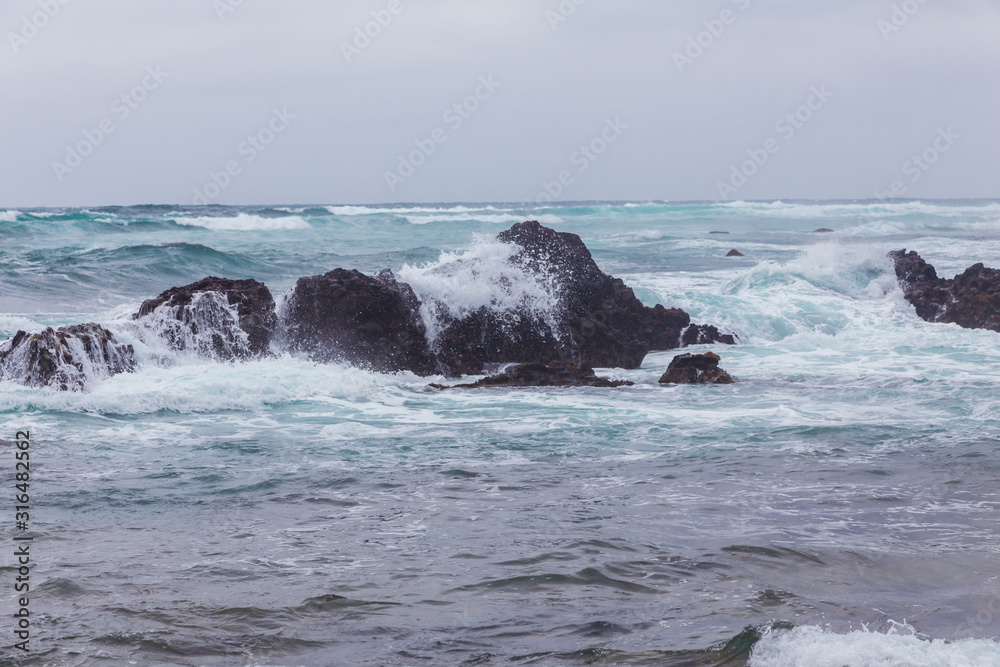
(600, 322)
(542, 375)
(67, 358)
(346, 316)
(970, 299)
(735, 253)
(696, 369)
(215, 317)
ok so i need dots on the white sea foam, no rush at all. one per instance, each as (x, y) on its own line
(458, 284)
(403, 210)
(9, 216)
(11, 324)
(244, 222)
(205, 387)
(861, 210)
(816, 647)
(496, 218)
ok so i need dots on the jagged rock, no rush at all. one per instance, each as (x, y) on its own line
(735, 253)
(67, 358)
(601, 322)
(696, 369)
(541, 375)
(215, 317)
(970, 299)
(372, 322)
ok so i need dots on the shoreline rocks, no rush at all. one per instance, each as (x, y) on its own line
(542, 375)
(696, 369)
(970, 299)
(377, 323)
(217, 317)
(346, 316)
(66, 358)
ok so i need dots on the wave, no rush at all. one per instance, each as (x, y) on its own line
(860, 209)
(899, 647)
(460, 283)
(244, 222)
(501, 218)
(9, 216)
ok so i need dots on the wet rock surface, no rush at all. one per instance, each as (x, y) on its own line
(218, 317)
(347, 316)
(696, 369)
(970, 299)
(601, 322)
(67, 358)
(542, 375)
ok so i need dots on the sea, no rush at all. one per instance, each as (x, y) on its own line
(838, 506)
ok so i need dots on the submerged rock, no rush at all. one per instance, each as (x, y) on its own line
(823, 230)
(696, 369)
(67, 358)
(735, 253)
(346, 316)
(215, 317)
(541, 375)
(600, 322)
(970, 299)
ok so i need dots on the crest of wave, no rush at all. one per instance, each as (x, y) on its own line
(207, 327)
(899, 647)
(489, 276)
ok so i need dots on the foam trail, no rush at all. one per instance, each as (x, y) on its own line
(244, 222)
(816, 647)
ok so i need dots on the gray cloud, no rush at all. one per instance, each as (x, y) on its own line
(353, 120)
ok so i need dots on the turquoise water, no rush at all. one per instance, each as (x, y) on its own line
(283, 513)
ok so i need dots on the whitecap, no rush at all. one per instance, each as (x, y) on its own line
(244, 222)
(816, 647)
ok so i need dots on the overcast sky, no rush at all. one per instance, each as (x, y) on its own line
(661, 119)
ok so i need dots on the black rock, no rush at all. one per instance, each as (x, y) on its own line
(372, 322)
(201, 316)
(696, 369)
(601, 322)
(970, 299)
(735, 253)
(67, 358)
(541, 375)
(823, 230)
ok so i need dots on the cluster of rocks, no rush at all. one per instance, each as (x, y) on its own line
(970, 299)
(65, 358)
(375, 322)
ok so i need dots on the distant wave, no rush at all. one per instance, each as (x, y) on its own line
(244, 222)
(874, 209)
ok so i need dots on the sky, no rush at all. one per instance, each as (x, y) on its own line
(125, 102)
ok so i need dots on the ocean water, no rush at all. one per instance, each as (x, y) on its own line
(839, 505)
